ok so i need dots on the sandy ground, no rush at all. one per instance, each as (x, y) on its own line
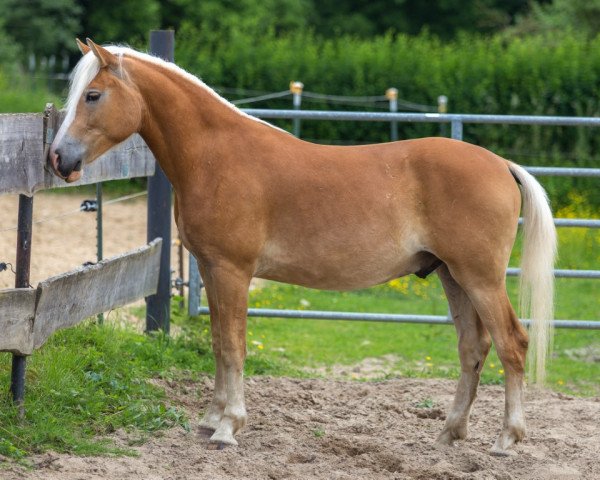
(328, 429)
(302, 429)
(61, 243)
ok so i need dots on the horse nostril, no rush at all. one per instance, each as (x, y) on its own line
(77, 166)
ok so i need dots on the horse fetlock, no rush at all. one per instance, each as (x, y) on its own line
(508, 437)
(228, 426)
(452, 432)
(236, 417)
(211, 420)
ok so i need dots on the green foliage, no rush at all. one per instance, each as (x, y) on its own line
(541, 75)
(18, 95)
(89, 381)
(582, 16)
(444, 18)
(425, 403)
(118, 21)
(33, 24)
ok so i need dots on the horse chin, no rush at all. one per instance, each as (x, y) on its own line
(73, 176)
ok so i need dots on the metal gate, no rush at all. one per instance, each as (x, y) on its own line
(456, 121)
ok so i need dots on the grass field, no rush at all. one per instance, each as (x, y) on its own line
(90, 380)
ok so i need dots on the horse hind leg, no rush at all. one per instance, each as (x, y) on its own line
(511, 340)
(473, 344)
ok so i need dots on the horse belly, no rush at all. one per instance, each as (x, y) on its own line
(345, 265)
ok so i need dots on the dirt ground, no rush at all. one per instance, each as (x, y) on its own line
(61, 243)
(305, 429)
(328, 429)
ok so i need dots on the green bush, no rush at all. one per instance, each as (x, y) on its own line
(539, 75)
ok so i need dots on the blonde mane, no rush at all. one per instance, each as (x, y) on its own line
(89, 66)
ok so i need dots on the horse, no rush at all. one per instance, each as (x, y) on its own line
(252, 200)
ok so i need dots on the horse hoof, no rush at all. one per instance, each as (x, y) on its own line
(502, 452)
(445, 439)
(216, 446)
(223, 437)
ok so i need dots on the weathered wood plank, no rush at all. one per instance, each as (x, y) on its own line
(22, 166)
(21, 151)
(17, 310)
(67, 299)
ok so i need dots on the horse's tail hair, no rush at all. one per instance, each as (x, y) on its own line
(536, 291)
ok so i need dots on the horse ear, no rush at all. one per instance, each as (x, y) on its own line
(82, 46)
(106, 58)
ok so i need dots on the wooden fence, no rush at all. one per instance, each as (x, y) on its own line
(29, 316)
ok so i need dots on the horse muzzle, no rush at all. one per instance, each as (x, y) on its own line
(66, 160)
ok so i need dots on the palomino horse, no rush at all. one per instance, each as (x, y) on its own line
(253, 201)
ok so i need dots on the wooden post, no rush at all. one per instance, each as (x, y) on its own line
(158, 307)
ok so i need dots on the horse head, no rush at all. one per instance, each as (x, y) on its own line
(103, 109)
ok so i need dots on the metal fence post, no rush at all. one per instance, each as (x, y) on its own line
(392, 96)
(194, 287)
(158, 306)
(296, 89)
(443, 108)
(99, 234)
(456, 129)
(17, 378)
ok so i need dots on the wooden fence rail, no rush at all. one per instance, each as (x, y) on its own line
(24, 139)
(28, 317)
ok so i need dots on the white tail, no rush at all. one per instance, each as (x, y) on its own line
(536, 292)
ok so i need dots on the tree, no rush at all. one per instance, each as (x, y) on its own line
(42, 27)
(581, 16)
(444, 18)
(119, 21)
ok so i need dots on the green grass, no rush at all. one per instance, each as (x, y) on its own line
(422, 350)
(431, 350)
(90, 380)
(22, 95)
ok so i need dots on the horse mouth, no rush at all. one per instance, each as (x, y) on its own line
(73, 176)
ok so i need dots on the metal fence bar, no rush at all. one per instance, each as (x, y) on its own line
(426, 117)
(457, 122)
(573, 222)
(589, 274)
(563, 172)
(388, 317)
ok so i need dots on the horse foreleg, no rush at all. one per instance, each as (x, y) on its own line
(212, 417)
(473, 344)
(229, 287)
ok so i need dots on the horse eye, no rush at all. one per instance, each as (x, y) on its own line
(91, 97)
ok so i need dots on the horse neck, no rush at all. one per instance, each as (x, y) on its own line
(184, 123)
